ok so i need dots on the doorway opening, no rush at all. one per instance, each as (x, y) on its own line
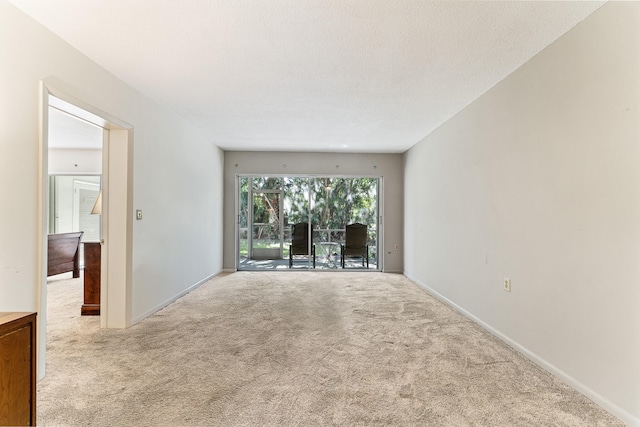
(74, 153)
(111, 173)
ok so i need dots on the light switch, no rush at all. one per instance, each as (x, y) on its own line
(138, 214)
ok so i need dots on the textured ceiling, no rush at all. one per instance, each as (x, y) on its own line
(304, 75)
(67, 131)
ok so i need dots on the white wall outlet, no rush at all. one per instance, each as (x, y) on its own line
(507, 284)
(397, 247)
(138, 214)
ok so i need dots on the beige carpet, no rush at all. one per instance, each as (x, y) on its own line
(295, 349)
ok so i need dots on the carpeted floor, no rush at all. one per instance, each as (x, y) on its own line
(295, 349)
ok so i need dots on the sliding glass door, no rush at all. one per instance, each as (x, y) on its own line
(306, 222)
(336, 204)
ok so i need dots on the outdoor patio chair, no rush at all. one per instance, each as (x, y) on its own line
(300, 242)
(355, 243)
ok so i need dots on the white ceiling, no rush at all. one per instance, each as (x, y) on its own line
(310, 75)
(69, 132)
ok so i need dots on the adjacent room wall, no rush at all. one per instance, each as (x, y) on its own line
(389, 166)
(68, 164)
(177, 174)
(539, 181)
(61, 202)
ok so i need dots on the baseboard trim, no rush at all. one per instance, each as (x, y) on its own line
(160, 306)
(606, 404)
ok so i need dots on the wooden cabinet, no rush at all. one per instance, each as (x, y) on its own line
(91, 306)
(17, 369)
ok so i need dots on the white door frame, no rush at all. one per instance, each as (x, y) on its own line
(117, 224)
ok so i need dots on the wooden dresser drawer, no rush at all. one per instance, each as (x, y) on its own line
(17, 369)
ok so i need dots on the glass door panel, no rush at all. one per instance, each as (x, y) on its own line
(296, 210)
(266, 228)
(327, 219)
(363, 209)
(336, 203)
(243, 221)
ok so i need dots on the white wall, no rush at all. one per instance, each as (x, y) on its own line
(177, 173)
(389, 166)
(62, 205)
(539, 181)
(63, 202)
(180, 192)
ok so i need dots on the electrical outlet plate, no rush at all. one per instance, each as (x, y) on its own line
(138, 214)
(507, 284)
